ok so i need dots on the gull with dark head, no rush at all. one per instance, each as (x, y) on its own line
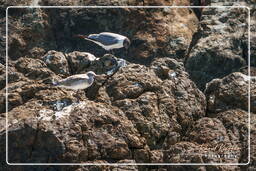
(76, 82)
(107, 40)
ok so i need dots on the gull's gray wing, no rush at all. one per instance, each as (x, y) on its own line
(105, 39)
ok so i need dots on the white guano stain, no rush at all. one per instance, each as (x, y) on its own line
(49, 115)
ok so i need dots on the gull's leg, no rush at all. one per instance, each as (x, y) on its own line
(126, 53)
(75, 94)
(112, 52)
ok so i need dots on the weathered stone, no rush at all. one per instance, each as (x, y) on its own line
(57, 62)
(210, 131)
(148, 110)
(220, 50)
(186, 152)
(79, 61)
(33, 68)
(236, 123)
(35, 31)
(230, 92)
(108, 140)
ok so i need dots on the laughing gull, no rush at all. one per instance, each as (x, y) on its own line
(108, 40)
(76, 82)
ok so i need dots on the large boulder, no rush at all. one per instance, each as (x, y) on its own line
(231, 92)
(57, 62)
(162, 108)
(220, 48)
(35, 31)
(101, 133)
(237, 125)
(33, 68)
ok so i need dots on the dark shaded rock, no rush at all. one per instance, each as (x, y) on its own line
(57, 62)
(245, 71)
(209, 131)
(231, 92)
(2, 81)
(252, 38)
(79, 61)
(103, 132)
(104, 65)
(33, 68)
(31, 138)
(220, 49)
(236, 123)
(2, 69)
(162, 35)
(35, 31)
(2, 40)
(161, 109)
(142, 155)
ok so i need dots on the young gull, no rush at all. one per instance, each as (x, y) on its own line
(76, 82)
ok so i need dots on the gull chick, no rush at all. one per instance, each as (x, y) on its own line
(108, 40)
(76, 82)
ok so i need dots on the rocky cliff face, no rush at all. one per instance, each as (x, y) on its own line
(178, 95)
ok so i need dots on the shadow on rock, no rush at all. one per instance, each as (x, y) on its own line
(29, 145)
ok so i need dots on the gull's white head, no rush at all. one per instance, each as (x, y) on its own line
(126, 43)
(91, 74)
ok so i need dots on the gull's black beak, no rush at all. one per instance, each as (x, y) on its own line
(79, 36)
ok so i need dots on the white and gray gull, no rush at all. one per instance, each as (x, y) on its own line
(108, 40)
(76, 82)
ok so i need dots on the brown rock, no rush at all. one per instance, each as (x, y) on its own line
(57, 62)
(156, 156)
(79, 61)
(72, 129)
(210, 131)
(186, 152)
(35, 31)
(149, 110)
(33, 68)
(141, 155)
(236, 123)
(161, 36)
(219, 51)
(230, 92)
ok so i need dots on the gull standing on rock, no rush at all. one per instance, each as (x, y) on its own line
(76, 82)
(107, 40)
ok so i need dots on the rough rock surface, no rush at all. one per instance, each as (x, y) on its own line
(219, 49)
(231, 92)
(161, 37)
(178, 95)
